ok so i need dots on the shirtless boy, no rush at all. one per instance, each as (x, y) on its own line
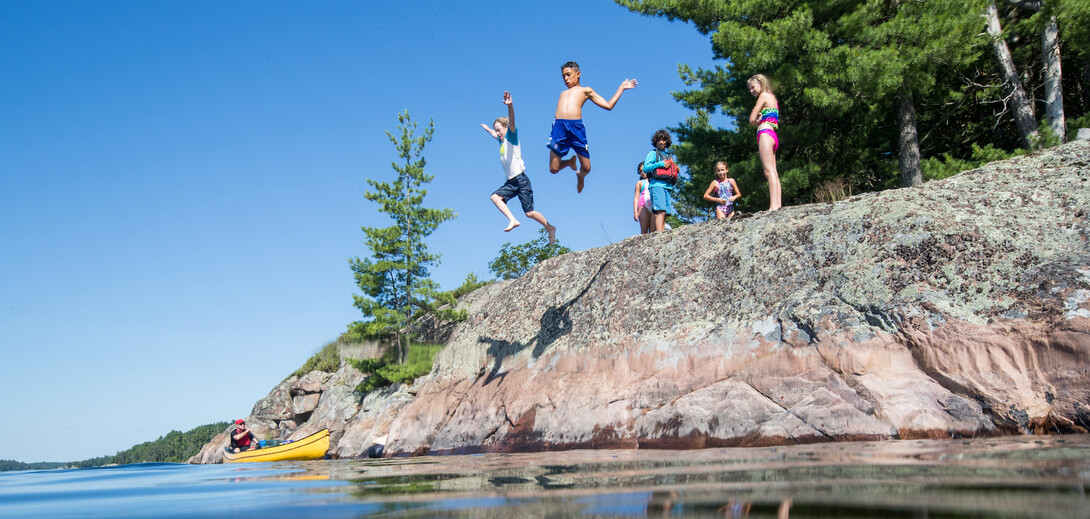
(568, 130)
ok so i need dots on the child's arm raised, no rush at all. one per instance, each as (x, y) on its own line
(510, 110)
(608, 105)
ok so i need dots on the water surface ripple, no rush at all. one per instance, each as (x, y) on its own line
(1026, 476)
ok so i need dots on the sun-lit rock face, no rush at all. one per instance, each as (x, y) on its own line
(961, 307)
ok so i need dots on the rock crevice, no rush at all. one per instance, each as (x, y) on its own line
(959, 308)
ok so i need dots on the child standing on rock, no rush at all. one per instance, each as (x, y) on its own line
(726, 192)
(518, 184)
(641, 202)
(766, 117)
(661, 170)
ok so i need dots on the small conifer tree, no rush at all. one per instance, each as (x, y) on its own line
(394, 280)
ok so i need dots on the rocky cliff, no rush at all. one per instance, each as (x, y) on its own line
(961, 307)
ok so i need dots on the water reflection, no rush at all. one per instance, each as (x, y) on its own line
(1001, 477)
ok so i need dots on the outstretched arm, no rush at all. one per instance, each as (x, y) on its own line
(490, 131)
(510, 110)
(627, 84)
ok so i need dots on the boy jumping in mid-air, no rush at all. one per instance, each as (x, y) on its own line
(568, 130)
(517, 182)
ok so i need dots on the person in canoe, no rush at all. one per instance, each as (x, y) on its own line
(241, 438)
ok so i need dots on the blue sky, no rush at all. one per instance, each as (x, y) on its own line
(181, 183)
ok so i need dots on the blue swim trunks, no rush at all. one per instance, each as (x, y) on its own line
(569, 134)
(660, 198)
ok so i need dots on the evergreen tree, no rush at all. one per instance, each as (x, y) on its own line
(516, 260)
(394, 280)
(855, 79)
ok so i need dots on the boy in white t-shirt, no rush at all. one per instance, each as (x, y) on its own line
(517, 183)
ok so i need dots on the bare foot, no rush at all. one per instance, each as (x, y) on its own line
(552, 233)
(579, 181)
(512, 225)
(572, 164)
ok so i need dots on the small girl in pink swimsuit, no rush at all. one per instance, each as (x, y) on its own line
(726, 189)
(641, 202)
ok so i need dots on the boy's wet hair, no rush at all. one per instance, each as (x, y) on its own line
(571, 64)
(501, 120)
(661, 134)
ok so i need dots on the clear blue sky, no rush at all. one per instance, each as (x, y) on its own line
(181, 183)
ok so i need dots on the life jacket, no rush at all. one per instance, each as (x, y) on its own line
(666, 174)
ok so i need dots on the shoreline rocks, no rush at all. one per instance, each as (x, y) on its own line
(959, 308)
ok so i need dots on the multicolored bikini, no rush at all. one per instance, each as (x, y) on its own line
(770, 116)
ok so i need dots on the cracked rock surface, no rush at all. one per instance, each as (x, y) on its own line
(961, 307)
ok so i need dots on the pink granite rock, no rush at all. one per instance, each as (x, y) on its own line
(957, 308)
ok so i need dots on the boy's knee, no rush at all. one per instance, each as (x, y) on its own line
(497, 198)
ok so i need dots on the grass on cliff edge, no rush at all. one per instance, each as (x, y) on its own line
(386, 371)
(383, 371)
(328, 359)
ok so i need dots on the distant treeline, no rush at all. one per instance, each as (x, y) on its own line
(174, 447)
(6, 465)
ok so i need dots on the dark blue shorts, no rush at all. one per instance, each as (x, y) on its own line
(520, 185)
(569, 134)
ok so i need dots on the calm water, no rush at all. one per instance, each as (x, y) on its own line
(1001, 477)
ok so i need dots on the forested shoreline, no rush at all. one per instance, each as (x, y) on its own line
(173, 447)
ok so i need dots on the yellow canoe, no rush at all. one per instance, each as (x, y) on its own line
(312, 447)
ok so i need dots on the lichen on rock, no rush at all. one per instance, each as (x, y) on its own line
(956, 308)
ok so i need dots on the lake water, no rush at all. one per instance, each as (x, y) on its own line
(1016, 477)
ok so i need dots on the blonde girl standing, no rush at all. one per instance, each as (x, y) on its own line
(766, 117)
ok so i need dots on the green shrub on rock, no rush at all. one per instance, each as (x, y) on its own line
(386, 371)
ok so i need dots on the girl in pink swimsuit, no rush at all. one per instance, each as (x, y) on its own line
(641, 202)
(726, 189)
(766, 117)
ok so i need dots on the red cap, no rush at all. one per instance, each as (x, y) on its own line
(240, 421)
